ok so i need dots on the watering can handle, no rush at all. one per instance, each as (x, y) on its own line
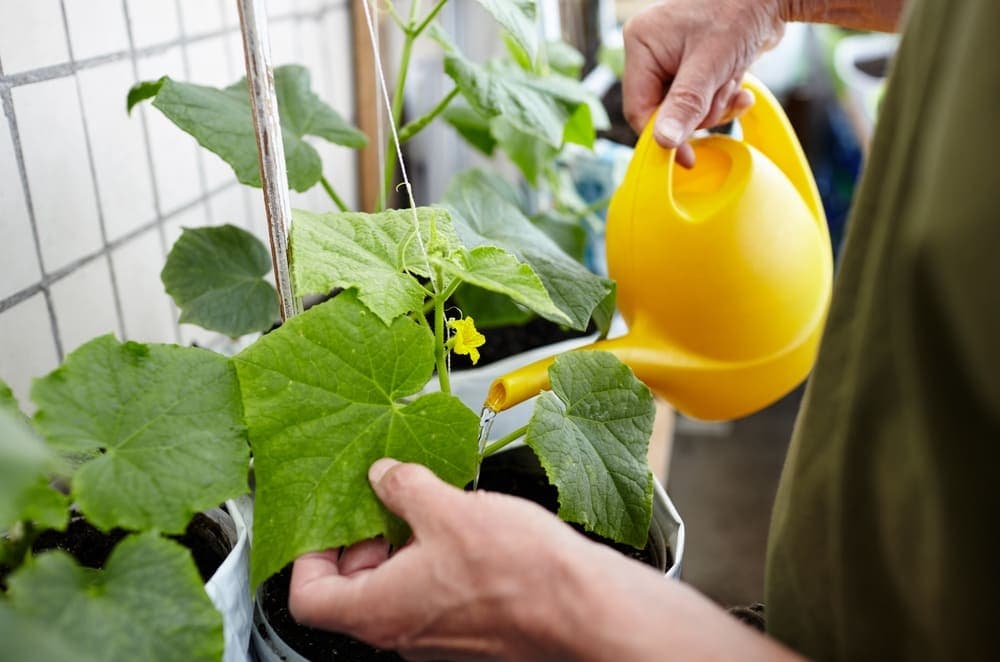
(766, 127)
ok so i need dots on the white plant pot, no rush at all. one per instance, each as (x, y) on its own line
(229, 587)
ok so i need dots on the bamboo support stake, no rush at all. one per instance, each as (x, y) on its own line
(270, 149)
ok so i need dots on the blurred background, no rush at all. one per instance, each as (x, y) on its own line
(92, 198)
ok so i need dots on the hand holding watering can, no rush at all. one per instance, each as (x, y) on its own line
(724, 271)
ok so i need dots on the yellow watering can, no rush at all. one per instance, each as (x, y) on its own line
(724, 271)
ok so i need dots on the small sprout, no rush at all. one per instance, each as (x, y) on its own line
(466, 338)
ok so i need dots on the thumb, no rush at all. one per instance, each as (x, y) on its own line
(411, 491)
(687, 103)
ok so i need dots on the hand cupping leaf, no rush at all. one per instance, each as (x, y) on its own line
(326, 395)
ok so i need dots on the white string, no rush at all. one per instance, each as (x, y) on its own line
(380, 72)
(380, 121)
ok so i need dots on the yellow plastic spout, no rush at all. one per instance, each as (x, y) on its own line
(724, 271)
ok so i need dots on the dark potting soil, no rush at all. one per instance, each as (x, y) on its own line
(516, 472)
(91, 547)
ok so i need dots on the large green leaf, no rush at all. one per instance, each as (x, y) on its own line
(215, 275)
(371, 253)
(25, 465)
(326, 395)
(485, 215)
(591, 433)
(158, 428)
(35, 639)
(220, 120)
(497, 270)
(148, 603)
(518, 96)
(518, 18)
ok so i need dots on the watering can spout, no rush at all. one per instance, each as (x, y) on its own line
(724, 271)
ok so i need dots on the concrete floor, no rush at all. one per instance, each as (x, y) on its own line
(723, 478)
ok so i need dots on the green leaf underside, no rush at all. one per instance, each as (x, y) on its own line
(591, 433)
(484, 215)
(497, 270)
(168, 420)
(528, 153)
(472, 126)
(148, 603)
(518, 18)
(220, 120)
(25, 464)
(565, 229)
(489, 309)
(369, 252)
(215, 275)
(540, 106)
(324, 397)
(564, 58)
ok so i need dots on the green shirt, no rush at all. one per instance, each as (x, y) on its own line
(882, 540)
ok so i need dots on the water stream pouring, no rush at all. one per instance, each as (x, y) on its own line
(724, 271)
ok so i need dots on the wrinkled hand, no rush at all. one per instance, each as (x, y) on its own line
(491, 577)
(700, 49)
(469, 585)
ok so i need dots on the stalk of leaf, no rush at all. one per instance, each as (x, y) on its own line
(412, 31)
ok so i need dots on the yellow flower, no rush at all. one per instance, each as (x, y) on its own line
(466, 338)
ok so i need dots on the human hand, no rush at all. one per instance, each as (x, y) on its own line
(477, 581)
(701, 49)
(492, 577)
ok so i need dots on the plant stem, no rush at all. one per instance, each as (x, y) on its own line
(409, 36)
(417, 125)
(440, 353)
(505, 440)
(337, 200)
(430, 17)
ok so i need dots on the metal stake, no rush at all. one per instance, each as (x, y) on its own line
(270, 149)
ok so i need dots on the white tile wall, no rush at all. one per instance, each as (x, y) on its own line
(85, 305)
(203, 16)
(175, 160)
(96, 27)
(148, 178)
(146, 307)
(31, 35)
(27, 349)
(18, 261)
(227, 206)
(55, 157)
(153, 22)
(119, 150)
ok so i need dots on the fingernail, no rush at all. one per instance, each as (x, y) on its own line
(379, 467)
(670, 131)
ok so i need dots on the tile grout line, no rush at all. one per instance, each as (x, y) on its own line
(61, 273)
(64, 69)
(7, 100)
(101, 222)
(199, 153)
(150, 163)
